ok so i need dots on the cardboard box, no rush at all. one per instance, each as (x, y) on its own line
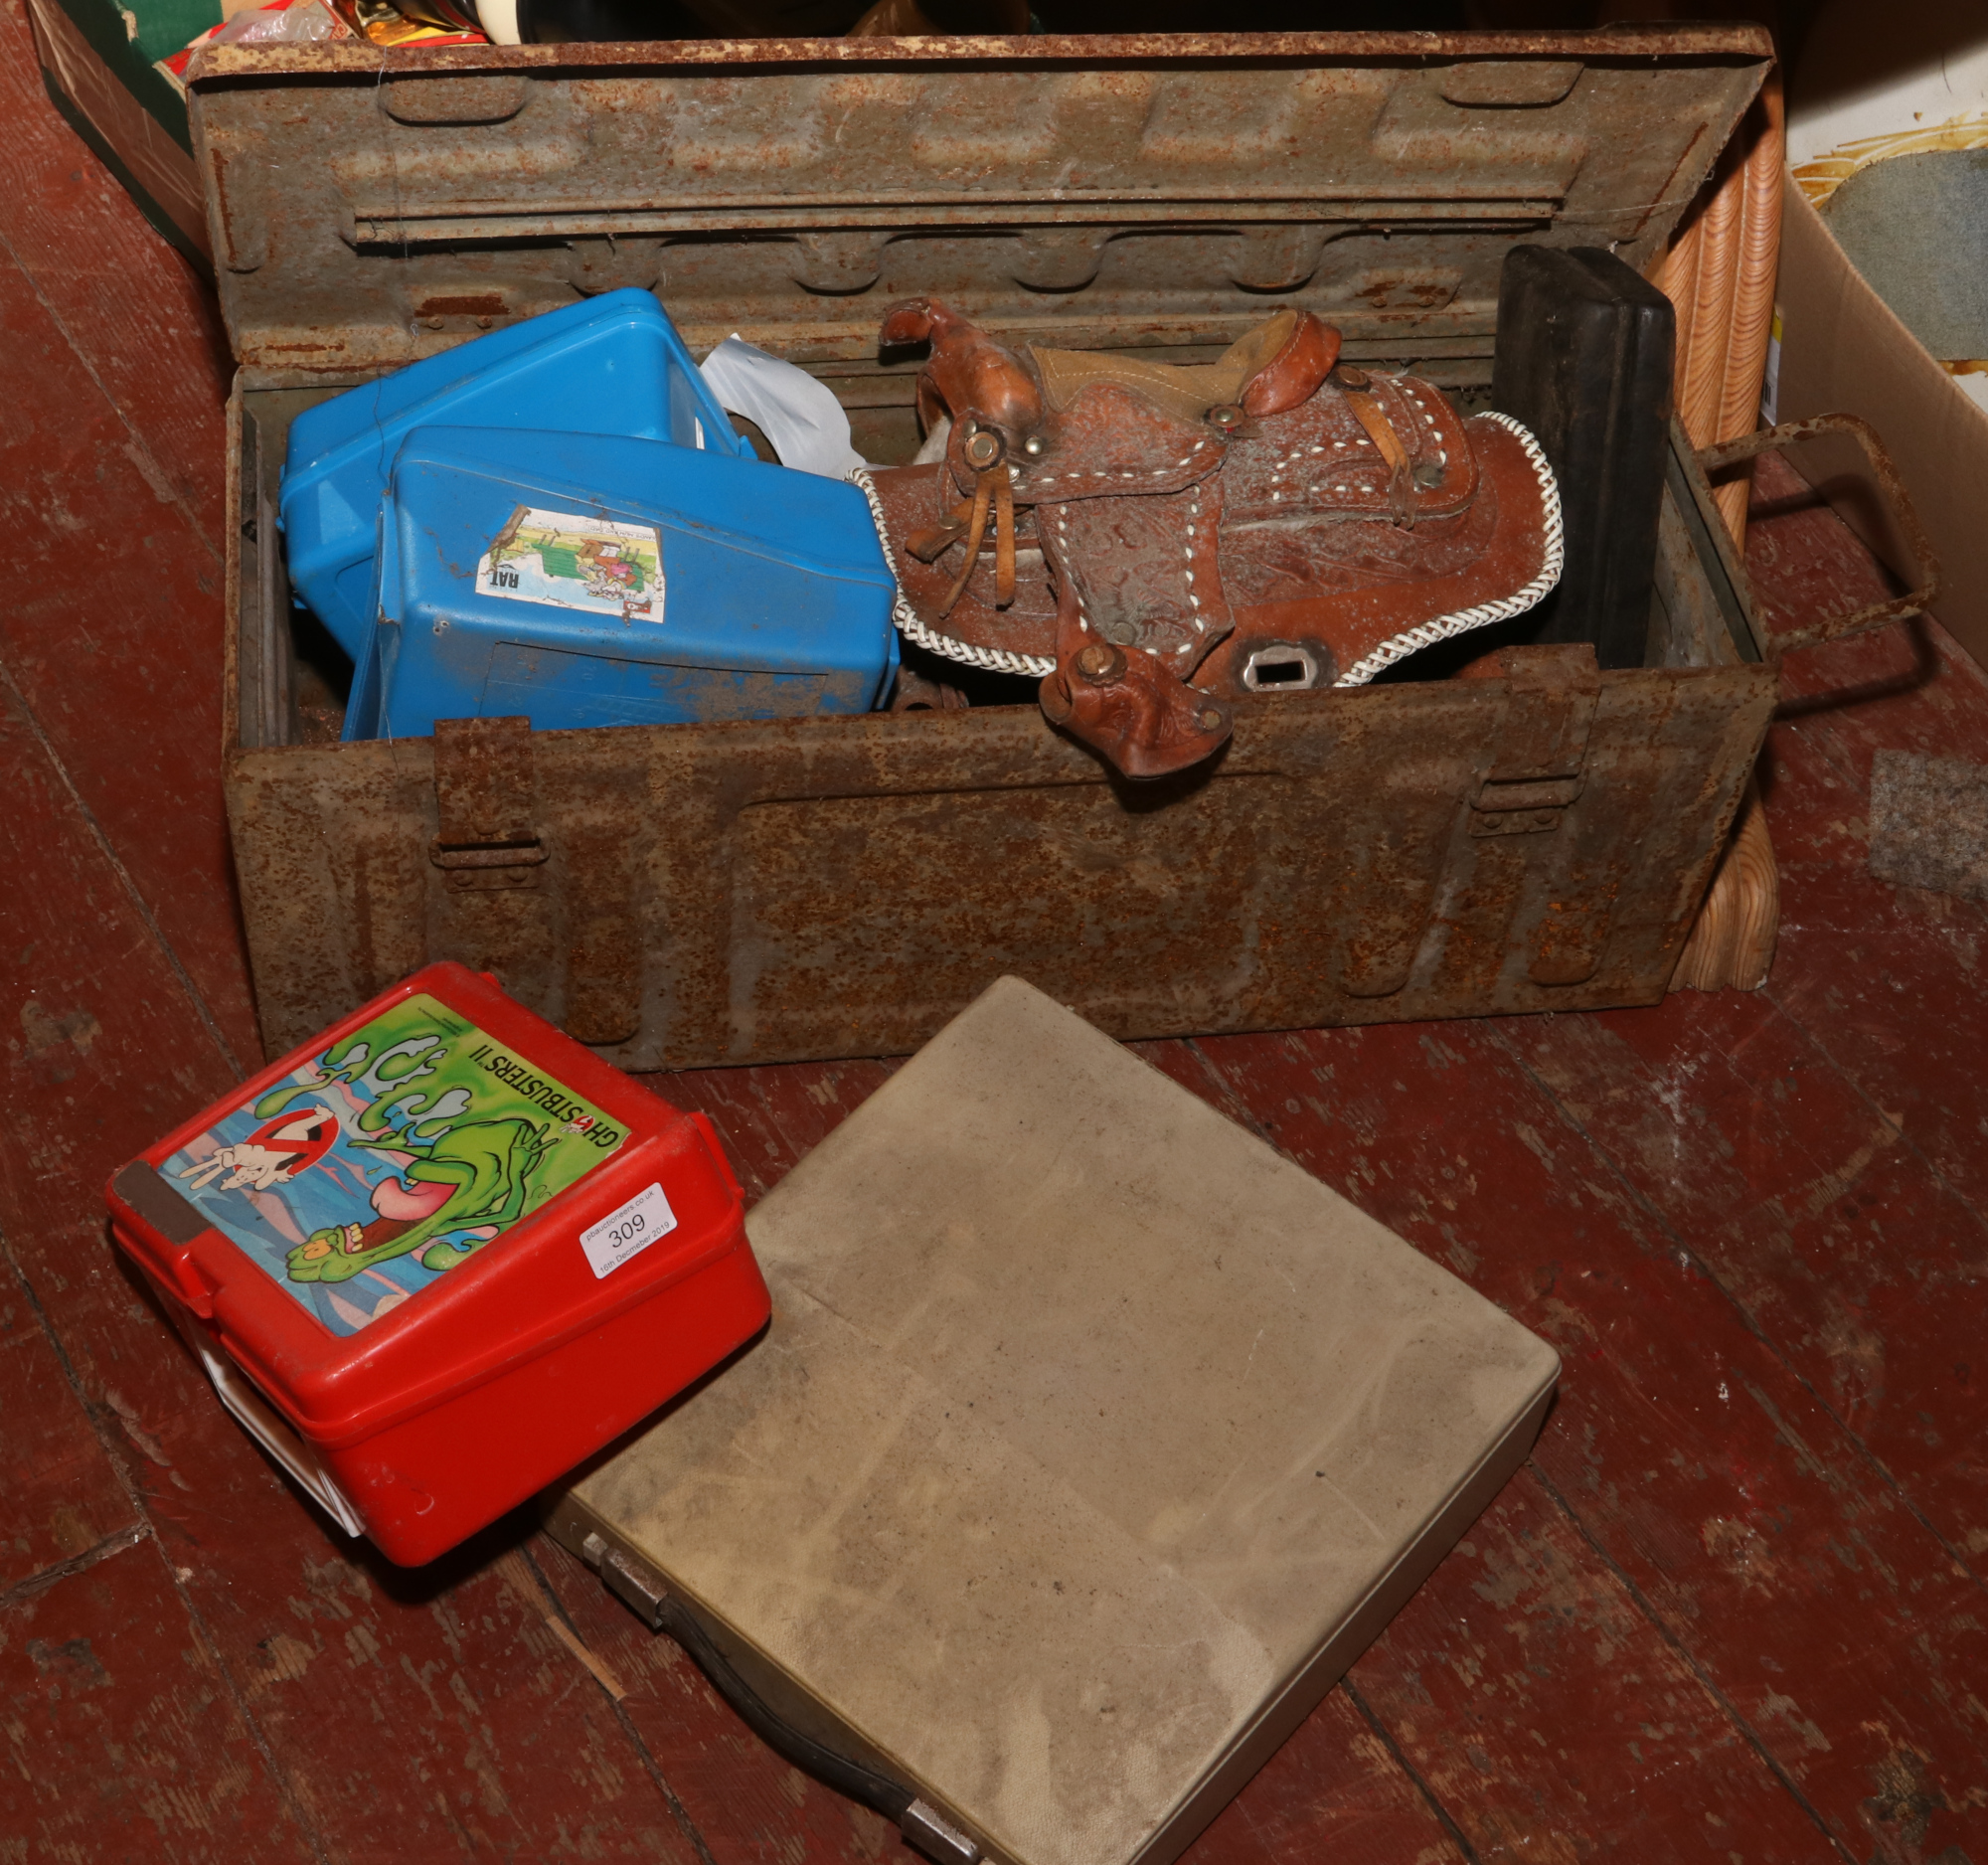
(1844, 349)
(99, 64)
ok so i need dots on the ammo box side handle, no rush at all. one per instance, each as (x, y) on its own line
(1891, 493)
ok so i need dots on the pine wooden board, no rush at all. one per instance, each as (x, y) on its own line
(1881, 975)
(140, 323)
(1795, 1188)
(1335, 1790)
(1854, 950)
(1551, 1718)
(1820, 1143)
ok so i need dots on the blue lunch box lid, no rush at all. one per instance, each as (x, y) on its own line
(610, 365)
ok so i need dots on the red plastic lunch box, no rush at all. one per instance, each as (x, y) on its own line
(440, 1255)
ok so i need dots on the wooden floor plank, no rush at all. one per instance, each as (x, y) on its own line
(1797, 1192)
(102, 1051)
(114, 370)
(60, 1494)
(1880, 977)
(1795, 1136)
(1555, 1722)
(1335, 1790)
(1757, 1532)
(120, 1737)
(111, 636)
(141, 322)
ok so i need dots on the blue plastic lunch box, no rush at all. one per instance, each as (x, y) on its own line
(587, 580)
(613, 364)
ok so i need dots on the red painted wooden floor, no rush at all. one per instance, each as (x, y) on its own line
(1732, 1610)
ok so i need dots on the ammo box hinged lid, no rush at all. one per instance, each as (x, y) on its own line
(370, 207)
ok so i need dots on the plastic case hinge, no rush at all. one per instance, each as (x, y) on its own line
(630, 1581)
(925, 1828)
(159, 1204)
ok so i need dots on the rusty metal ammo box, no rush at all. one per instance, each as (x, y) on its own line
(731, 893)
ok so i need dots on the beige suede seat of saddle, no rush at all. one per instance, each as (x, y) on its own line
(1089, 1442)
(1186, 391)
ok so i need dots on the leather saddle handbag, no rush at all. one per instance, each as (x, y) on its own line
(1152, 541)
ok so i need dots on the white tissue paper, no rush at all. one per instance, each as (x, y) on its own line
(801, 418)
(934, 443)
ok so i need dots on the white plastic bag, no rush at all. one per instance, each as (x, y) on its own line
(303, 23)
(802, 419)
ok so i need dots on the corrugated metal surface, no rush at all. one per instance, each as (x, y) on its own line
(370, 207)
(818, 888)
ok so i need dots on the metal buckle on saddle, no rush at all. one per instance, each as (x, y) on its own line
(993, 487)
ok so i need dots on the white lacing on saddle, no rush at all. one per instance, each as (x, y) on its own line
(1444, 628)
(994, 659)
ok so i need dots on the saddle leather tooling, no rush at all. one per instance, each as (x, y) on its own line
(1153, 540)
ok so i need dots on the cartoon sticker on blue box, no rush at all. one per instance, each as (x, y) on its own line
(404, 1150)
(573, 560)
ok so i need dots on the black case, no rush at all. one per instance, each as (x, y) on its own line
(1584, 358)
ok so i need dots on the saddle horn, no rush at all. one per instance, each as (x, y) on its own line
(969, 374)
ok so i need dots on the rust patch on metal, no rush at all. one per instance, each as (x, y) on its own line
(1897, 502)
(484, 805)
(484, 305)
(1630, 44)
